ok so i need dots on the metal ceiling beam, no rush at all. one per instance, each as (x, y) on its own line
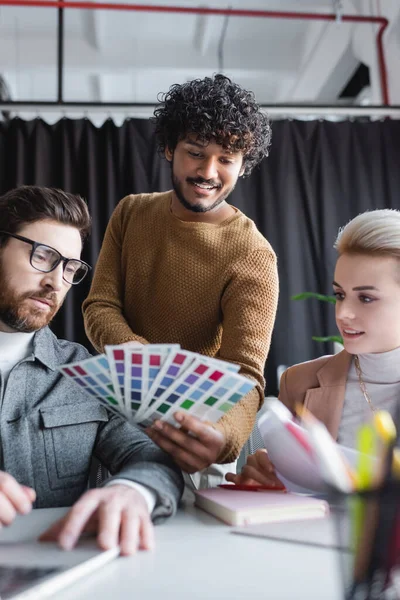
(268, 14)
(274, 111)
(60, 55)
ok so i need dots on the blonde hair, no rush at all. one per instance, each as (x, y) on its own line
(373, 232)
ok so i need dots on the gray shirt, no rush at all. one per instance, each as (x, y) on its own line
(50, 431)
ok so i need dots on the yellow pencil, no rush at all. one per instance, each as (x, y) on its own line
(385, 432)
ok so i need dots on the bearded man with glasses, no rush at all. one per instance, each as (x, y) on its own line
(45, 259)
(50, 431)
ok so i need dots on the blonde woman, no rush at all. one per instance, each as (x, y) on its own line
(341, 390)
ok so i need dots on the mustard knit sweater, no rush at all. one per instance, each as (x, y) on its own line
(211, 288)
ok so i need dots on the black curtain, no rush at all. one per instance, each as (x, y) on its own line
(318, 176)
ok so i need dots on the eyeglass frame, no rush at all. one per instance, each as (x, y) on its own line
(62, 258)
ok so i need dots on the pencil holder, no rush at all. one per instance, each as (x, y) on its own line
(368, 530)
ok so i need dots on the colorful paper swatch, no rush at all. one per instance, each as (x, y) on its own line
(148, 382)
(201, 386)
(142, 365)
(94, 377)
(116, 361)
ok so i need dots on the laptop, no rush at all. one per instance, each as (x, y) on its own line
(32, 570)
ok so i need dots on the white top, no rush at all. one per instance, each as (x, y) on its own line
(14, 347)
(381, 375)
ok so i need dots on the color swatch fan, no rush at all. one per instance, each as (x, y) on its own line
(144, 383)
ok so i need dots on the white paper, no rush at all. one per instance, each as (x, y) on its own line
(297, 470)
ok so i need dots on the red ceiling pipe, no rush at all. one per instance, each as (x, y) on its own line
(266, 14)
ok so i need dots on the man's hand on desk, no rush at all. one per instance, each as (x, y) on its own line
(194, 447)
(14, 499)
(118, 514)
(258, 470)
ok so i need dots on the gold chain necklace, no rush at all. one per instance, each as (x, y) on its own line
(362, 383)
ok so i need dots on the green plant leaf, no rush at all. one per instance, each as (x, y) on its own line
(328, 338)
(322, 297)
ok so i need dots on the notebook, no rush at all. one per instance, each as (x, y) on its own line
(246, 508)
(322, 533)
(32, 570)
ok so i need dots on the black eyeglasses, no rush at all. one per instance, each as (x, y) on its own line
(45, 259)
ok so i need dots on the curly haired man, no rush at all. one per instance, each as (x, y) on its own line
(184, 266)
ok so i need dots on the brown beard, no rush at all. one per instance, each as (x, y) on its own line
(19, 315)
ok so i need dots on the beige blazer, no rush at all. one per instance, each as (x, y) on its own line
(320, 385)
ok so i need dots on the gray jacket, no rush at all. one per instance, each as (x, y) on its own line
(50, 430)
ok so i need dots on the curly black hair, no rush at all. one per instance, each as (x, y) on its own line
(214, 108)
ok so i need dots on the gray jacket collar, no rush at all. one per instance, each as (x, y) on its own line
(45, 348)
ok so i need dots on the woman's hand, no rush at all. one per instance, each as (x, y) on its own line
(258, 470)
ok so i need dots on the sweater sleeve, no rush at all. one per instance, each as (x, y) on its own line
(249, 307)
(103, 310)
